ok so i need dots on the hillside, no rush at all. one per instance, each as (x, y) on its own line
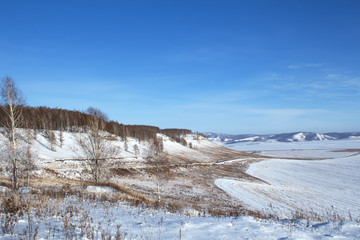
(283, 137)
(182, 174)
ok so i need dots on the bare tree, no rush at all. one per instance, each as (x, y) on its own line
(12, 102)
(95, 142)
(27, 164)
(136, 149)
(157, 158)
(52, 138)
(61, 137)
(126, 146)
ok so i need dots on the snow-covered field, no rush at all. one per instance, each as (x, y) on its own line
(316, 187)
(312, 149)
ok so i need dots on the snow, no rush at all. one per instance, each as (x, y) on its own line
(197, 142)
(103, 218)
(325, 186)
(248, 139)
(298, 137)
(71, 152)
(99, 189)
(354, 138)
(67, 158)
(313, 149)
(321, 187)
(320, 137)
(273, 146)
(4, 189)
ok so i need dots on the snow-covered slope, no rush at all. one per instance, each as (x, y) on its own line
(322, 188)
(95, 220)
(53, 155)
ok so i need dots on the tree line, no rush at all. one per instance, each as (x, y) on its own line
(45, 118)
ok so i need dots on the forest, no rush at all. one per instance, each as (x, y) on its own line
(45, 118)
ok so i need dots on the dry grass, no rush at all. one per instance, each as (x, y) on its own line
(41, 205)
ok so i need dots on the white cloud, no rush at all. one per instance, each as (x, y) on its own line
(309, 65)
(344, 81)
(317, 83)
(285, 112)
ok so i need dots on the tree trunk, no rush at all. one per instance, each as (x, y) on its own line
(158, 190)
(96, 170)
(13, 143)
(11, 101)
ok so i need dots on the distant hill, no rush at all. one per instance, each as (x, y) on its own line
(283, 137)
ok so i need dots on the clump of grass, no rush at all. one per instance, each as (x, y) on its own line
(38, 208)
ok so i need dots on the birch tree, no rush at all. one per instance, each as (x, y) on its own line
(157, 159)
(95, 144)
(12, 102)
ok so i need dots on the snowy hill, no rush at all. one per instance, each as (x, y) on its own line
(66, 158)
(194, 183)
(69, 148)
(284, 137)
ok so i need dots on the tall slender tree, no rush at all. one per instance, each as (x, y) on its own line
(95, 144)
(12, 103)
(158, 160)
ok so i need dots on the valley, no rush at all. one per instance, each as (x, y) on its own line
(231, 190)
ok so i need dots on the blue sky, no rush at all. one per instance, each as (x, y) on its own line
(221, 66)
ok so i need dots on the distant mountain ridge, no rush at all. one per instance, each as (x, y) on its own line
(283, 137)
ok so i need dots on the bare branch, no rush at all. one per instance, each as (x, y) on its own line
(12, 102)
(94, 143)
